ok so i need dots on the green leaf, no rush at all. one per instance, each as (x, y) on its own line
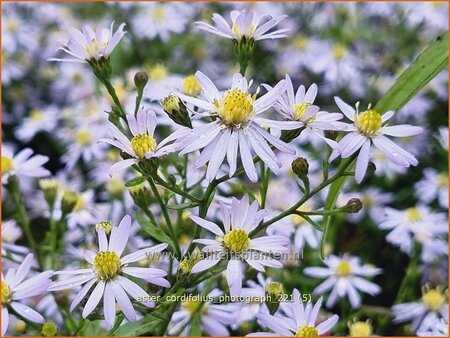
(135, 181)
(154, 231)
(427, 65)
(182, 206)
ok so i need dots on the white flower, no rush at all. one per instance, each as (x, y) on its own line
(88, 45)
(425, 313)
(15, 289)
(245, 24)
(296, 320)
(38, 120)
(22, 164)
(343, 276)
(419, 224)
(368, 130)
(237, 126)
(435, 329)
(142, 145)
(433, 185)
(235, 243)
(213, 317)
(107, 273)
(300, 107)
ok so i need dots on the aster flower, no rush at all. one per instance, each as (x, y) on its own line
(369, 129)
(425, 313)
(87, 45)
(296, 320)
(344, 277)
(15, 289)
(433, 185)
(300, 107)
(107, 271)
(214, 318)
(235, 243)
(142, 145)
(246, 24)
(22, 164)
(237, 126)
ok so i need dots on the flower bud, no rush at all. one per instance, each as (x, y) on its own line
(106, 226)
(140, 195)
(69, 201)
(300, 167)
(49, 329)
(274, 294)
(353, 206)
(176, 110)
(185, 266)
(140, 80)
(371, 168)
(49, 187)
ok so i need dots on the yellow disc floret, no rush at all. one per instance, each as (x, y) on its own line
(413, 214)
(300, 110)
(236, 240)
(83, 138)
(368, 123)
(236, 107)
(343, 269)
(433, 299)
(191, 86)
(339, 51)
(7, 164)
(307, 331)
(360, 329)
(157, 72)
(142, 144)
(37, 115)
(107, 264)
(5, 292)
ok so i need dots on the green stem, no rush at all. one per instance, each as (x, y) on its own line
(265, 174)
(175, 189)
(22, 217)
(166, 216)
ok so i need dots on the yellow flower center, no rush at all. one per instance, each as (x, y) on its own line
(368, 122)
(36, 115)
(368, 201)
(413, 214)
(433, 299)
(83, 138)
(235, 29)
(307, 331)
(192, 305)
(159, 14)
(191, 86)
(80, 203)
(343, 269)
(5, 292)
(236, 240)
(300, 42)
(142, 144)
(157, 72)
(236, 107)
(7, 164)
(300, 110)
(442, 180)
(339, 51)
(115, 186)
(360, 329)
(107, 264)
(106, 226)
(171, 104)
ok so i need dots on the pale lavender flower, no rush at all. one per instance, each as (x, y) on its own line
(15, 289)
(107, 273)
(369, 128)
(23, 163)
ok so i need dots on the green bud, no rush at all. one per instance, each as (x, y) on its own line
(69, 201)
(140, 80)
(353, 206)
(371, 168)
(185, 266)
(49, 329)
(274, 294)
(105, 226)
(140, 195)
(176, 110)
(289, 135)
(300, 167)
(49, 187)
